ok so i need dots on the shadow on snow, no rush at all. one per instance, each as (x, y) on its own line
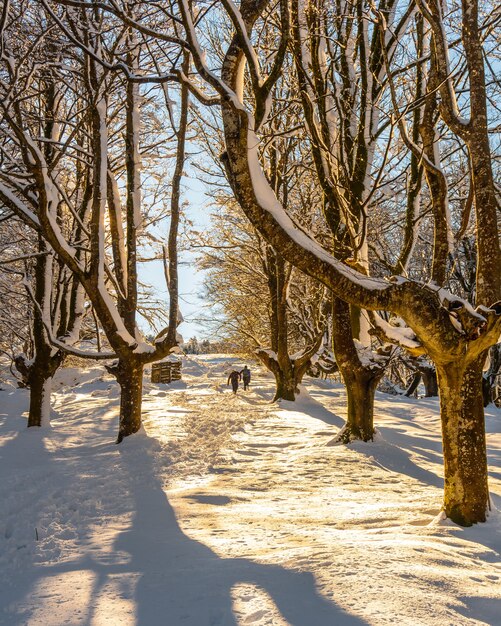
(170, 578)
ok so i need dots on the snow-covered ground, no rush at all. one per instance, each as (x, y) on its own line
(231, 511)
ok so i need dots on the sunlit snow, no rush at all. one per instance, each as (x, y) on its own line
(229, 511)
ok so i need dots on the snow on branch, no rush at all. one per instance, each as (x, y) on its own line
(398, 333)
(58, 343)
(250, 53)
(270, 203)
(200, 59)
(15, 204)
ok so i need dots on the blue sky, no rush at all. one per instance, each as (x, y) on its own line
(190, 278)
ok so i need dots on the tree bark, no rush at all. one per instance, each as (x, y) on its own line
(40, 389)
(486, 391)
(129, 374)
(360, 379)
(282, 367)
(288, 374)
(38, 376)
(466, 494)
(39, 372)
(286, 384)
(416, 379)
(429, 375)
(360, 390)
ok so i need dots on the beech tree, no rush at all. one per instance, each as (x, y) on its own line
(340, 88)
(257, 276)
(56, 297)
(455, 333)
(58, 310)
(286, 168)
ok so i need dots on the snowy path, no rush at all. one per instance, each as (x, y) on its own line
(234, 512)
(355, 516)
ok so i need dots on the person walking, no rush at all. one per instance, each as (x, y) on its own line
(234, 378)
(246, 377)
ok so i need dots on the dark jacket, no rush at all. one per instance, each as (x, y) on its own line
(234, 377)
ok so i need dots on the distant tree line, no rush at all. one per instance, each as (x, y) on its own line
(206, 346)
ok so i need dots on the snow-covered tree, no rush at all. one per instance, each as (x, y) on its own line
(456, 334)
(101, 252)
(16, 242)
(386, 90)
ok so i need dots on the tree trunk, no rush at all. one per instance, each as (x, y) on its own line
(360, 379)
(286, 385)
(129, 374)
(46, 362)
(429, 375)
(40, 388)
(466, 495)
(287, 376)
(416, 379)
(37, 376)
(360, 391)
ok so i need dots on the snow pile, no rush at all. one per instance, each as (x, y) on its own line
(193, 367)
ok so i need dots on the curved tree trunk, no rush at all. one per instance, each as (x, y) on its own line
(466, 495)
